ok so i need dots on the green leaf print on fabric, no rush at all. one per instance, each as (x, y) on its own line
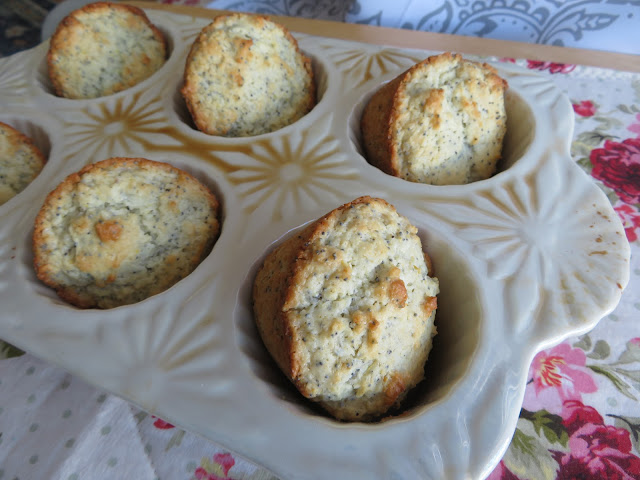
(608, 123)
(601, 350)
(622, 386)
(583, 343)
(592, 138)
(631, 353)
(175, 440)
(628, 109)
(584, 161)
(549, 425)
(9, 351)
(626, 380)
(140, 416)
(611, 194)
(635, 84)
(528, 457)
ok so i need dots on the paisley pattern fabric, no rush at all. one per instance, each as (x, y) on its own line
(321, 9)
(592, 24)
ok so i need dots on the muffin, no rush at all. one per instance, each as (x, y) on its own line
(245, 75)
(346, 308)
(103, 48)
(121, 230)
(20, 162)
(442, 122)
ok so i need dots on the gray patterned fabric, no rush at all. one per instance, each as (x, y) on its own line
(612, 25)
(322, 9)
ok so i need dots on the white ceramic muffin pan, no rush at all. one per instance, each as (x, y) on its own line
(525, 259)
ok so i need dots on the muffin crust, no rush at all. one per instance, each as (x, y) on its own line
(346, 308)
(121, 230)
(20, 162)
(442, 122)
(245, 75)
(103, 48)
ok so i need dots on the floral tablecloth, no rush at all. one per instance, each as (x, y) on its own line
(580, 417)
(581, 413)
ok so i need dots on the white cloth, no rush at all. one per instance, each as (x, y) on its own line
(55, 426)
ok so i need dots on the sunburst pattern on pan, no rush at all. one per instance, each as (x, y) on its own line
(361, 65)
(13, 78)
(159, 354)
(531, 234)
(137, 125)
(190, 29)
(287, 172)
(106, 128)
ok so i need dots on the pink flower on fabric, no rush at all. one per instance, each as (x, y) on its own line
(585, 108)
(617, 165)
(596, 450)
(508, 60)
(635, 126)
(557, 375)
(630, 220)
(600, 451)
(201, 474)
(161, 424)
(219, 470)
(575, 415)
(553, 67)
(225, 460)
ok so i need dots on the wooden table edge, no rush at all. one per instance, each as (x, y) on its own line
(400, 38)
